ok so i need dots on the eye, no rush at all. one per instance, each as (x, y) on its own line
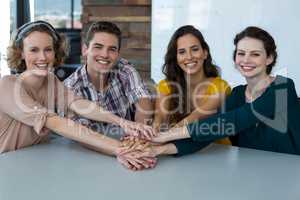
(181, 51)
(195, 49)
(255, 54)
(113, 49)
(240, 53)
(49, 49)
(34, 50)
(98, 46)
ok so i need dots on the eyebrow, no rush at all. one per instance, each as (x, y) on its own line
(99, 44)
(33, 46)
(196, 45)
(193, 46)
(250, 51)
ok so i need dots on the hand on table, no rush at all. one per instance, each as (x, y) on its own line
(137, 154)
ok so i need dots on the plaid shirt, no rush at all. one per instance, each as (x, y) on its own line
(124, 90)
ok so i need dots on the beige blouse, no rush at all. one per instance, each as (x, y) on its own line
(23, 112)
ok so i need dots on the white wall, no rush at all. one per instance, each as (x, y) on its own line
(220, 21)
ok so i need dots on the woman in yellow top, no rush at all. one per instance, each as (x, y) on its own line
(192, 89)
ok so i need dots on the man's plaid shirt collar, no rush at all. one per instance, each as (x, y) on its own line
(82, 74)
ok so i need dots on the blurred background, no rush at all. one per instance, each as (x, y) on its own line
(71, 17)
(147, 26)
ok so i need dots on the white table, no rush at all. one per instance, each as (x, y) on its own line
(64, 170)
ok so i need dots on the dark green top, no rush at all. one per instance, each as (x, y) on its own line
(268, 123)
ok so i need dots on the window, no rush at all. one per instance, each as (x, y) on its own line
(65, 17)
(61, 14)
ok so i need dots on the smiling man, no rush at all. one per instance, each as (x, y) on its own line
(109, 80)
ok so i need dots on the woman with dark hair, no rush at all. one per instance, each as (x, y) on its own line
(192, 89)
(261, 114)
(34, 101)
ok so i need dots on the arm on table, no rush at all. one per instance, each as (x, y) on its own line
(241, 118)
(77, 132)
(92, 111)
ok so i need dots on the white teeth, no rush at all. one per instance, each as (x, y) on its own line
(102, 62)
(191, 64)
(42, 65)
(248, 67)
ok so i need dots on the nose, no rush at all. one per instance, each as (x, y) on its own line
(246, 58)
(42, 55)
(104, 53)
(189, 55)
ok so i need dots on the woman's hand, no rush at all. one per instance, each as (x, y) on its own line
(138, 130)
(137, 154)
(143, 147)
(135, 161)
(172, 134)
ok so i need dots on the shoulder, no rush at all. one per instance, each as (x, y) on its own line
(240, 89)
(163, 83)
(163, 87)
(282, 81)
(125, 67)
(219, 85)
(7, 82)
(236, 98)
(220, 82)
(238, 93)
(126, 73)
(75, 79)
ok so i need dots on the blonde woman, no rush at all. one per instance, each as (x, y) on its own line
(35, 101)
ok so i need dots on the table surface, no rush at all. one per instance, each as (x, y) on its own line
(62, 169)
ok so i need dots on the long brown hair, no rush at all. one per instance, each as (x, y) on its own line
(174, 74)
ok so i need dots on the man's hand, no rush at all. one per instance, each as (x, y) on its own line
(137, 154)
(133, 161)
(139, 130)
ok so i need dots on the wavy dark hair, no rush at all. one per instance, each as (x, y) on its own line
(174, 74)
(262, 35)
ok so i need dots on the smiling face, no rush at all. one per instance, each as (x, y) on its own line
(190, 54)
(38, 53)
(102, 53)
(251, 58)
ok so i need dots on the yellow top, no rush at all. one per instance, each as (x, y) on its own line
(217, 85)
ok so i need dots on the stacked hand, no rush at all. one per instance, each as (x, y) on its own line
(137, 154)
(138, 130)
(141, 145)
